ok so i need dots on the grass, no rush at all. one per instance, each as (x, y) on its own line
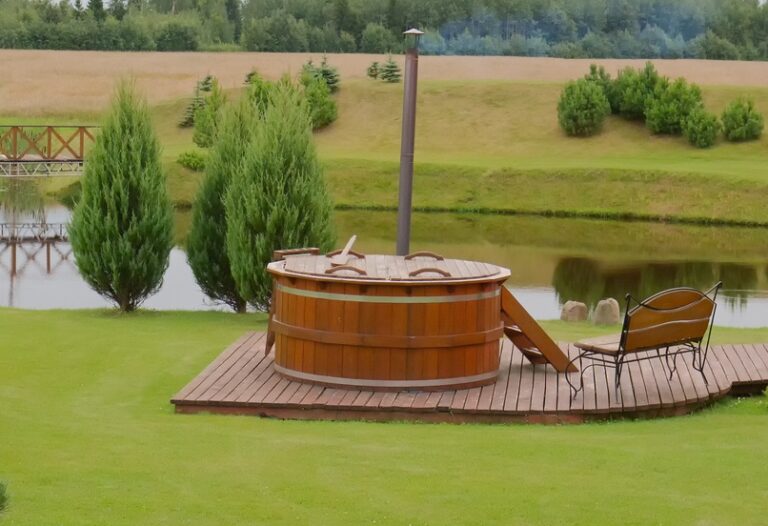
(100, 444)
(495, 147)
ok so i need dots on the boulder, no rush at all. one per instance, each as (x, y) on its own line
(574, 311)
(607, 312)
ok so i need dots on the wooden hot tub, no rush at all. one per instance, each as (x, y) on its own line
(387, 322)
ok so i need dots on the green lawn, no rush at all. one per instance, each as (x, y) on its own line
(88, 437)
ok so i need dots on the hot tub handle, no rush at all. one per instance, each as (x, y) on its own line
(424, 254)
(430, 269)
(332, 270)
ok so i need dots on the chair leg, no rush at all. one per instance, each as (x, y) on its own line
(699, 363)
(574, 390)
(617, 379)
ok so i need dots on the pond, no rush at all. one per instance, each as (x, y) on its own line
(552, 259)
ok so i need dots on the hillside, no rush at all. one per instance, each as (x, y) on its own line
(487, 133)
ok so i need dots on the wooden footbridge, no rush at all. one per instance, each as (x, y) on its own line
(43, 150)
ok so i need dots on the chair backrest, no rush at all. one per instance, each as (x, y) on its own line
(671, 317)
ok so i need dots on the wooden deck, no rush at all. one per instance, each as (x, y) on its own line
(242, 380)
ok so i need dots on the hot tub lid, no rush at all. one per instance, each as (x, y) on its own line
(420, 267)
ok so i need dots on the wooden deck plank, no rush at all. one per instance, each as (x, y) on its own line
(500, 388)
(223, 367)
(550, 390)
(748, 352)
(241, 374)
(666, 398)
(514, 373)
(742, 375)
(639, 389)
(717, 370)
(473, 397)
(232, 349)
(244, 380)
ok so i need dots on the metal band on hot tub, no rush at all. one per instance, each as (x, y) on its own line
(389, 384)
(388, 299)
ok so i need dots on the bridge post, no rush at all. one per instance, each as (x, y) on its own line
(13, 257)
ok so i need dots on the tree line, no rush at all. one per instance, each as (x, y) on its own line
(714, 29)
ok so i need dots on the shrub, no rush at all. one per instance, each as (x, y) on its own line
(376, 38)
(279, 199)
(122, 227)
(602, 78)
(207, 117)
(373, 70)
(204, 85)
(671, 105)
(206, 244)
(322, 107)
(330, 74)
(741, 121)
(701, 128)
(635, 88)
(324, 71)
(390, 71)
(193, 159)
(583, 108)
(177, 36)
(259, 91)
(3, 497)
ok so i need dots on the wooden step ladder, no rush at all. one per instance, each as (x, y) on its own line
(529, 337)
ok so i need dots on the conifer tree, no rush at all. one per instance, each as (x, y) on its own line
(122, 227)
(390, 71)
(206, 244)
(279, 200)
(207, 117)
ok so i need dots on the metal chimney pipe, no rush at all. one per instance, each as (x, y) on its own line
(407, 142)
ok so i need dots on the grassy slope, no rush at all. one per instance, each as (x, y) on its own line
(493, 145)
(100, 444)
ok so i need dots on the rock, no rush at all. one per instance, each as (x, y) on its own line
(574, 311)
(607, 312)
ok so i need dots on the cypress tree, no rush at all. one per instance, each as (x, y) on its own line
(206, 244)
(207, 117)
(122, 227)
(279, 200)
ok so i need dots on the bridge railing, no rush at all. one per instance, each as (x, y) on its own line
(44, 143)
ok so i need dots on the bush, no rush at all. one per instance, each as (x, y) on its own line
(377, 39)
(206, 244)
(3, 497)
(671, 105)
(122, 227)
(602, 78)
(373, 70)
(324, 71)
(322, 107)
(207, 117)
(177, 36)
(259, 91)
(742, 122)
(701, 128)
(583, 108)
(279, 200)
(193, 159)
(390, 71)
(635, 88)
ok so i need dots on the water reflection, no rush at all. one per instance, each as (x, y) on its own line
(552, 260)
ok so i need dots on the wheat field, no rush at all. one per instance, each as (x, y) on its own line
(41, 83)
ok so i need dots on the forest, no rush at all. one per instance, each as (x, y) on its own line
(712, 29)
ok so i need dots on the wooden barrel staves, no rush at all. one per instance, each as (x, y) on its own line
(387, 322)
